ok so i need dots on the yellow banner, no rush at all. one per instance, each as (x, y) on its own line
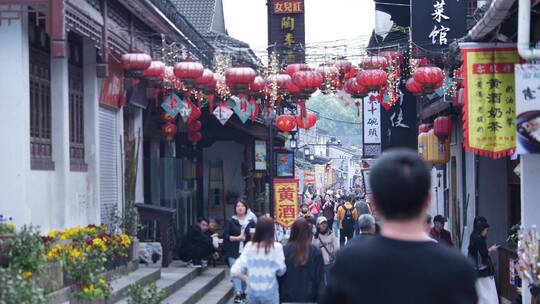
(286, 201)
(490, 108)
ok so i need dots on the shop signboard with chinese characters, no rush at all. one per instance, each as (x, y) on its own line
(489, 111)
(437, 23)
(286, 201)
(286, 30)
(371, 117)
(528, 108)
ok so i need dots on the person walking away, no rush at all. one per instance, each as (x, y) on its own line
(479, 253)
(402, 265)
(366, 225)
(361, 208)
(304, 280)
(347, 217)
(260, 263)
(197, 244)
(428, 227)
(438, 232)
(328, 210)
(236, 233)
(327, 243)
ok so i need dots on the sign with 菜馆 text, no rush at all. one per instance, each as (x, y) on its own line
(489, 105)
(288, 7)
(528, 108)
(285, 201)
(437, 23)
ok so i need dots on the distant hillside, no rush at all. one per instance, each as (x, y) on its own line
(329, 106)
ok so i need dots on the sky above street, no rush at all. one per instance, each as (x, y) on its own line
(325, 20)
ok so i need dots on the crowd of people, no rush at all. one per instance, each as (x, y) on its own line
(344, 249)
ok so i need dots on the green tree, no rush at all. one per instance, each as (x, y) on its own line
(332, 112)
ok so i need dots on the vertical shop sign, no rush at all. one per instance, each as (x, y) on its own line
(371, 117)
(287, 30)
(489, 106)
(528, 108)
(286, 201)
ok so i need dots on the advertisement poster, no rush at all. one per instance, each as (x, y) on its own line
(260, 155)
(319, 177)
(489, 111)
(286, 201)
(528, 108)
(284, 163)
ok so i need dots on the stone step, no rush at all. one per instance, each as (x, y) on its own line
(172, 279)
(222, 293)
(142, 276)
(197, 288)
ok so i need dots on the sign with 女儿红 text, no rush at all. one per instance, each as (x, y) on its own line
(288, 7)
(489, 104)
(286, 35)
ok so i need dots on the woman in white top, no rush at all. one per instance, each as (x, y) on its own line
(260, 263)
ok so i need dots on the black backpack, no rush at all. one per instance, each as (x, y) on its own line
(348, 220)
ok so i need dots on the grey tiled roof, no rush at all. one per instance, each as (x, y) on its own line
(200, 13)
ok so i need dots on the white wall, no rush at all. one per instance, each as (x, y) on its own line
(50, 199)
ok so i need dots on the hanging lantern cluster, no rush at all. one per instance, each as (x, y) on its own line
(135, 64)
(330, 75)
(373, 76)
(426, 79)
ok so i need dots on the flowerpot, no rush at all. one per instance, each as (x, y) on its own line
(133, 253)
(52, 278)
(5, 243)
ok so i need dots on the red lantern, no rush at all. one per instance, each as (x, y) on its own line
(169, 131)
(136, 63)
(195, 125)
(166, 117)
(257, 86)
(188, 71)
(206, 78)
(372, 79)
(442, 127)
(394, 57)
(344, 66)
(308, 81)
(239, 79)
(156, 70)
(429, 77)
(286, 123)
(352, 73)
(423, 128)
(282, 81)
(308, 122)
(293, 89)
(194, 137)
(292, 68)
(328, 71)
(354, 89)
(413, 87)
(374, 62)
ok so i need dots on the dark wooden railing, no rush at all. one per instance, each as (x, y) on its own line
(507, 278)
(157, 225)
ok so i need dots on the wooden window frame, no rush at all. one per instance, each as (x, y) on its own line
(40, 98)
(76, 105)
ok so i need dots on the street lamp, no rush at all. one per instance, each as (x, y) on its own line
(292, 142)
(307, 152)
(311, 157)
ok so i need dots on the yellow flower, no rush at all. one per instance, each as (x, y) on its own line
(102, 281)
(53, 234)
(55, 253)
(26, 275)
(100, 244)
(11, 226)
(125, 241)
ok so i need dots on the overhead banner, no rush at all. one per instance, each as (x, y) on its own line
(528, 108)
(371, 118)
(437, 23)
(319, 177)
(309, 177)
(286, 201)
(489, 111)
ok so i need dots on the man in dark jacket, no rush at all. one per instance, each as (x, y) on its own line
(402, 265)
(197, 244)
(438, 232)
